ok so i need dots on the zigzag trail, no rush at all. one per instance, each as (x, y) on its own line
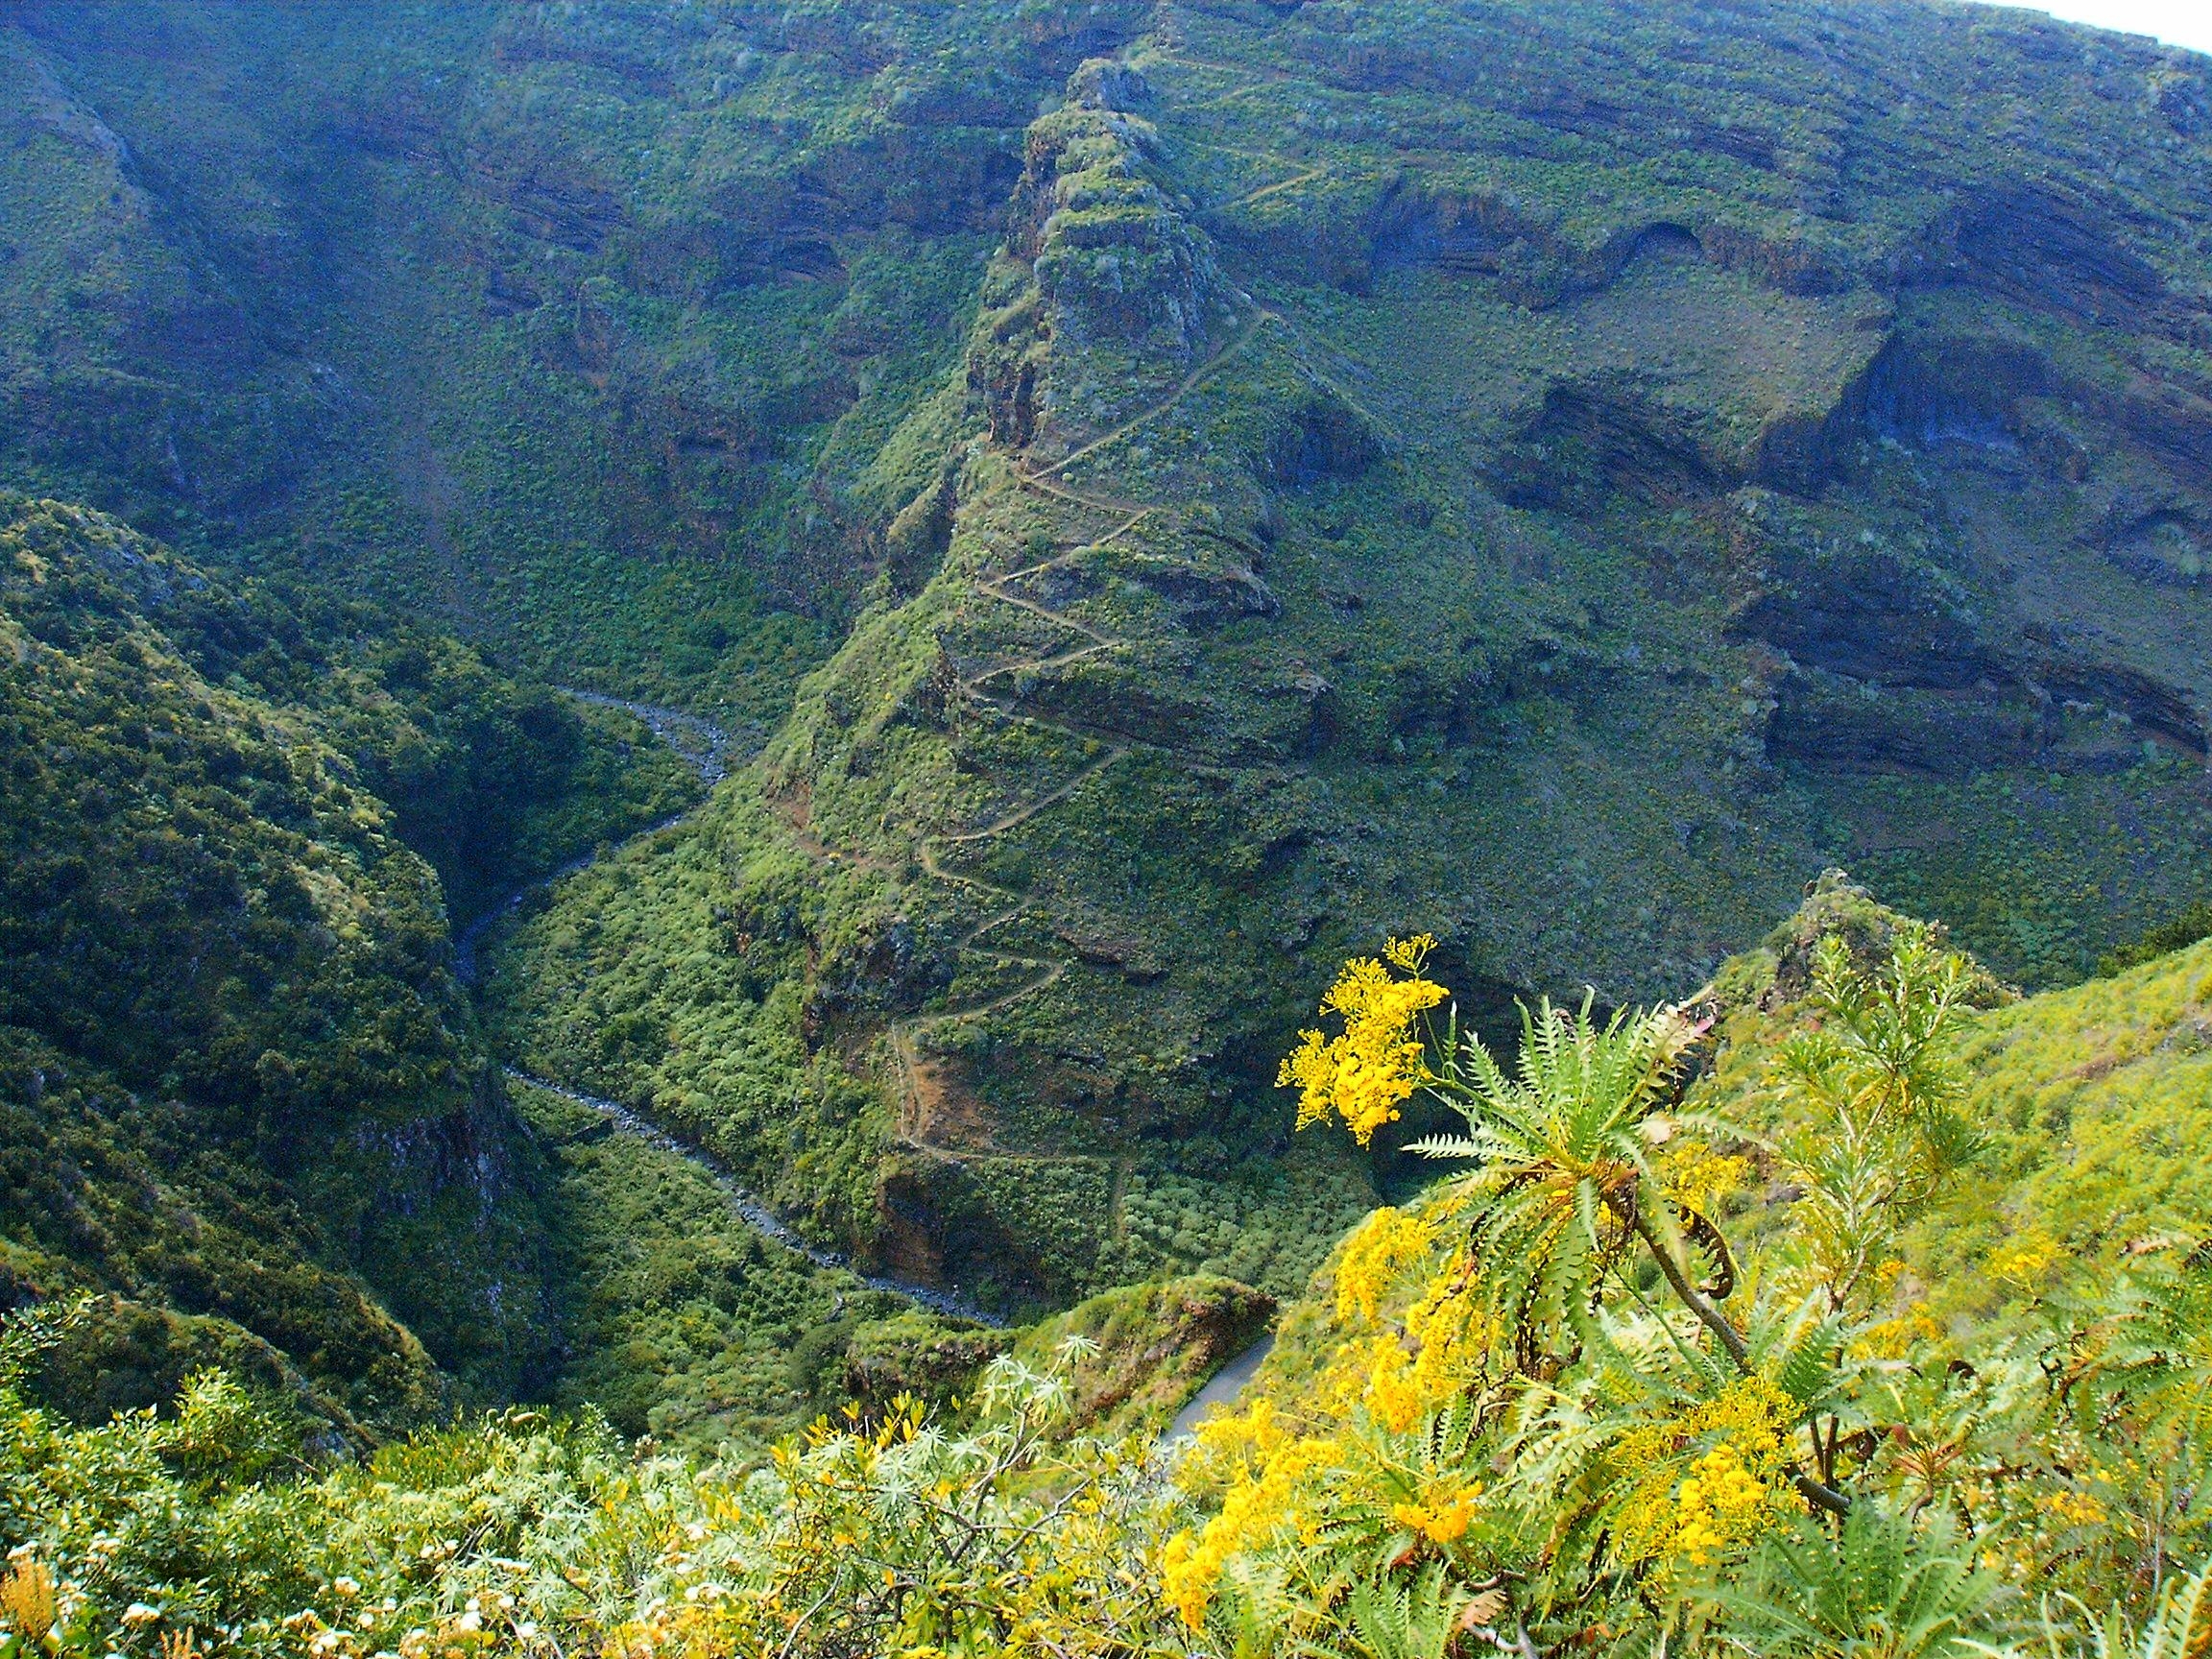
(706, 746)
(923, 1108)
(1189, 384)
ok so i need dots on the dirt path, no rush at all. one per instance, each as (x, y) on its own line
(934, 1115)
(1189, 384)
(1221, 1389)
(1016, 819)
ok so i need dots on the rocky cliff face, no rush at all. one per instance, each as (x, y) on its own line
(1271, 474)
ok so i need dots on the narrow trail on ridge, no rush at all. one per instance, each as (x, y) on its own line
(931, 1117)
(1189, 384)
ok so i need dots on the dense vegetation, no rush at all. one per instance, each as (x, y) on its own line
(1670, 1362)
(240, 1077)
(691, 691)
(1241, 479)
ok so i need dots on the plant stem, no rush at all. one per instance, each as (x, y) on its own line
(1814, 1492)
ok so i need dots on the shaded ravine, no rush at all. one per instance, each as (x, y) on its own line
(693, 739)
(697, 741)
(750, 1210)
(466, 942)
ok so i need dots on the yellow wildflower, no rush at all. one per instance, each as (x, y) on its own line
(27, 1599)
(1443, 1514)
(2074, 1508)
(1721, 1504)
(1371, 1068)
(1696, 1176)
(1453, 1336)
(1731, 1492)
(1367, 1266)
(1394, 1397)
(1260, 1505)
(1893, 1337)
(2025, 1261)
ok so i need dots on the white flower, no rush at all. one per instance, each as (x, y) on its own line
(138, 1616)
(344, 1586)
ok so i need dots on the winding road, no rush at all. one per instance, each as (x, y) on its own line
(750, 1209)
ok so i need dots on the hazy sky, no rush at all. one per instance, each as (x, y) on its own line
(2181, 22)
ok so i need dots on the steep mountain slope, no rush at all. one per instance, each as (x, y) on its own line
(1483, 512)
(241, 1087)
(1279, 473)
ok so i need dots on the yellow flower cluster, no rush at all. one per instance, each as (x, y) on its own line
(1734, 1489)
(2025, 1261)
(1399, 1370)
(28, 1605)
(1444, 1513)
(1399, 1380)
(1371, 1068)
(1393, 1394)
(1269, 1463)
(2074, 1508)
(1721, 1504)
(1452, 1336)
(1371, 1263)
(1893, 1337)
(1695, 1176)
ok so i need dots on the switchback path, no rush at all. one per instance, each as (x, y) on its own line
(1189, 384)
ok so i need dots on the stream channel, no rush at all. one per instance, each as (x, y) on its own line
(706, 748)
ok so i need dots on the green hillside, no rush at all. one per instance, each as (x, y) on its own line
(694, 693)
(2012, 1401)
(1394, 496)
(245, 1092)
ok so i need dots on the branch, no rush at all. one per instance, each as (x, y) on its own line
(1708, 1315)
(1814, 1492)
